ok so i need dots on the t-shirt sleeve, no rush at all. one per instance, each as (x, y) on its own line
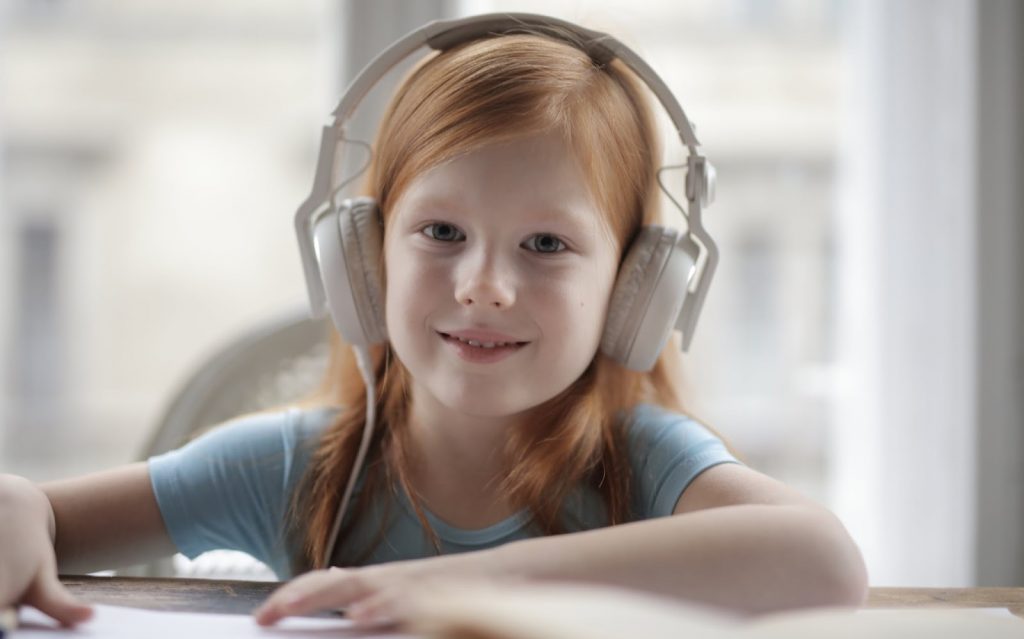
(230, 488)
(667, 452)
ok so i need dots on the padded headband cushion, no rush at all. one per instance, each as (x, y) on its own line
(349, 243)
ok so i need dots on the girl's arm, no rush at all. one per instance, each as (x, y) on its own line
(104, 520)
(738, 540)
(107, 520)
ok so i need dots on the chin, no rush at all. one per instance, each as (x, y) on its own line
(484, 403)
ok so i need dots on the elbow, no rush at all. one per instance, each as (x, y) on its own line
(852, 586)
(841, 578)
(844, 585)
(814, 564)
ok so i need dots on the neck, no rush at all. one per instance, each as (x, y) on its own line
(449, 446)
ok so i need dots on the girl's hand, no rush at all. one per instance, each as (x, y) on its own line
(373, 595)
(28, 565)
(44, 590)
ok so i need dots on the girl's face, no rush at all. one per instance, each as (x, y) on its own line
(499, 269)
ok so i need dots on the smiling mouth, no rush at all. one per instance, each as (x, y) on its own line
(482, 344)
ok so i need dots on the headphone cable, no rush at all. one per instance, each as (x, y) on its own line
(362, 354)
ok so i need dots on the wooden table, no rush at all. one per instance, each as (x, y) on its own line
(1011, 598)
(241, 597)
(180, 595)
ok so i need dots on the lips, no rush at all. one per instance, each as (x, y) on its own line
(482, 347)
(483, 339)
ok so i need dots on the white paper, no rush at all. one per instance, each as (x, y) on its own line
(114, 622)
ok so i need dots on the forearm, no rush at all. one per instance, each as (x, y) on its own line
(752, 558)
(747, 558)
(107, 520)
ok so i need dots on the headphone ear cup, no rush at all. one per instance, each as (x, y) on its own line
(349, 242)
(646, 299)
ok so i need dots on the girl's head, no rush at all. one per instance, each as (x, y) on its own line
(512, 172)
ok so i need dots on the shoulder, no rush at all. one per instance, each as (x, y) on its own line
(303, 422)
(274, 436)
(283, 428)
(667, 450)
(650, 426)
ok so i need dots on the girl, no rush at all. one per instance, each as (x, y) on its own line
(511, 173)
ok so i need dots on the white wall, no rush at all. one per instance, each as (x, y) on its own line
(903, 447)
(929, 441)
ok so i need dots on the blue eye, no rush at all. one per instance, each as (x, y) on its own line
(443, 232)
(544, 243)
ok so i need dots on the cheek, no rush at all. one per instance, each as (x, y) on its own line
(413, 291)
(396, 297)
(594, 290)
(594, 301)
(576, 309)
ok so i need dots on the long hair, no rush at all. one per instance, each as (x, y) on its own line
(480, 93)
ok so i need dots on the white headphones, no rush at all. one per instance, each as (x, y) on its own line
(661, 284)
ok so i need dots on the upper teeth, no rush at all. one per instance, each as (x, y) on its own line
(473, 342)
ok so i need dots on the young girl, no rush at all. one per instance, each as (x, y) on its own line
(511, 173)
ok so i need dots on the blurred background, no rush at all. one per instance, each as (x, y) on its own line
(861, 340)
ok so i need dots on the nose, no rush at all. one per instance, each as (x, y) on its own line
(483, 282)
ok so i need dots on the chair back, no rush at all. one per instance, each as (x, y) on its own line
(272, 364)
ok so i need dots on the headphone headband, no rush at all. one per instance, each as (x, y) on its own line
(441, 35)
(444, 34)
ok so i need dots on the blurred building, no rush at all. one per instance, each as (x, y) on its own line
(153, 155)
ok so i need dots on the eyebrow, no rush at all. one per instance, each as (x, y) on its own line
(557, 213)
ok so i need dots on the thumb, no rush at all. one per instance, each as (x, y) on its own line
(50, 596)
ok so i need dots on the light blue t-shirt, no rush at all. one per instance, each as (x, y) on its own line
(232, 489)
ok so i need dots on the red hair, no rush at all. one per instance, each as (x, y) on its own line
(476, 94)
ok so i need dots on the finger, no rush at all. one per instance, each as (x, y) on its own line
(285, 599)
(52, 598)
(320, 590)
(380, 609)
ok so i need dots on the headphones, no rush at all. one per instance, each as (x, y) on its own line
(664, 275)
(662, 280)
